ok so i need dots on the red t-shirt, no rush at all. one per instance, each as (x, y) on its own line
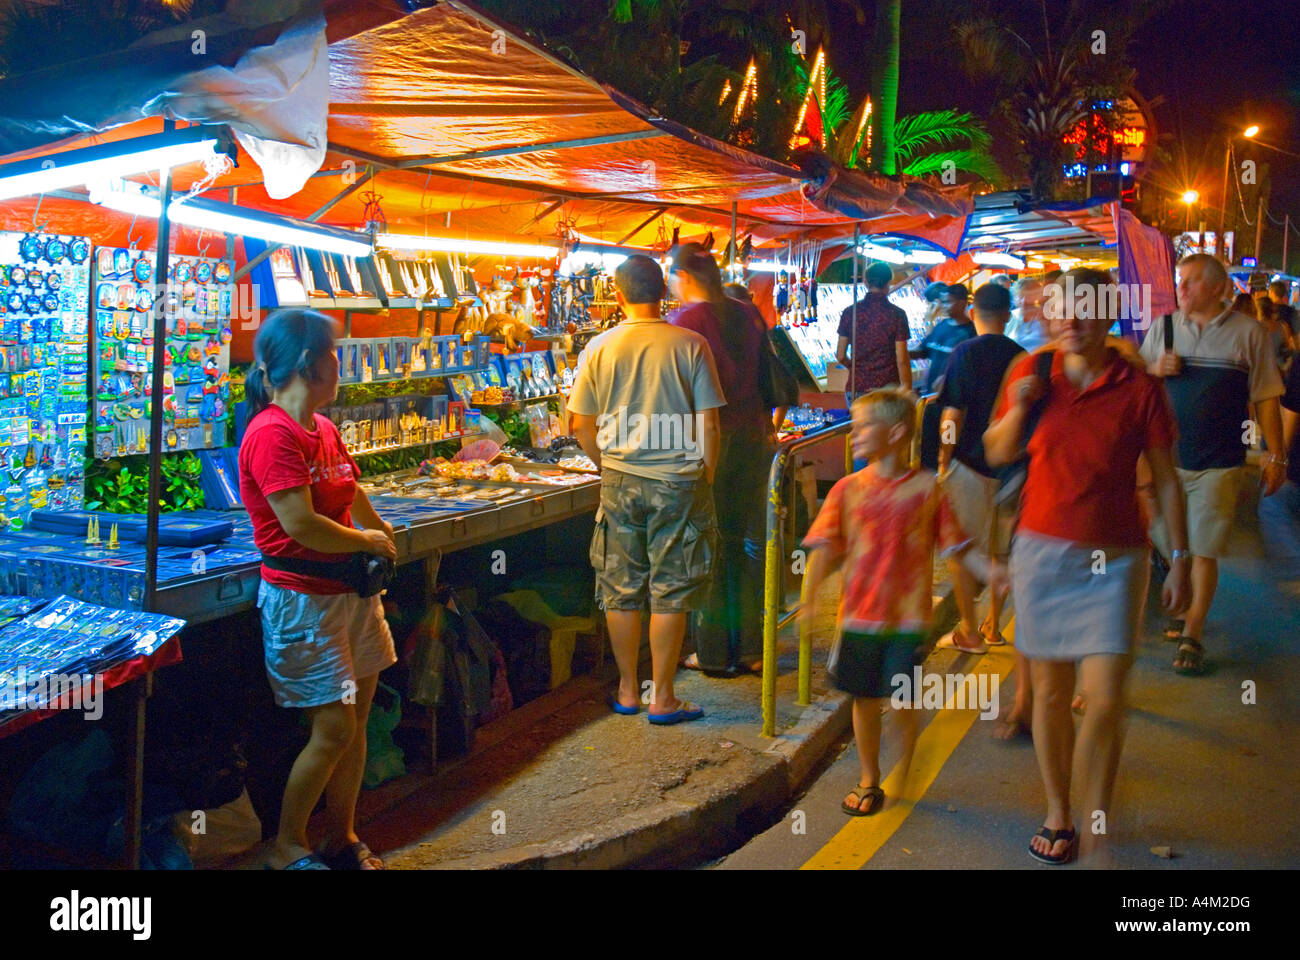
(278, 454)
(1082, 483)
(735, 331)
(887, 531)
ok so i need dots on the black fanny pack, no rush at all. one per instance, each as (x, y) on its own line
(363, 572)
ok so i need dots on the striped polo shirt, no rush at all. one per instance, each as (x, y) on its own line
(1226, 365)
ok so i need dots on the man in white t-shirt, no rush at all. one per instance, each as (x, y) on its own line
(645, 408)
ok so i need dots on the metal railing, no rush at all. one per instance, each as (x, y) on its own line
(773, 581)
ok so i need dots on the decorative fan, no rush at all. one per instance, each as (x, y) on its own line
(482, 449)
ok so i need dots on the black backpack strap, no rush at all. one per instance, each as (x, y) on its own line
(1168, 321)
(1043, 370)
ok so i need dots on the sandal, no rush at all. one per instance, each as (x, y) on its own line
(1173, 630)
(309, 862)
(963, 642)
(355, 856)
(1192, 657)
(1052, 836)
(874, 795)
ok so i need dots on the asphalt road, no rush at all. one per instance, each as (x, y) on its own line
(1203, 773)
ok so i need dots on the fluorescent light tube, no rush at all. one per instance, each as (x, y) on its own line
(991, 259)
(112, 160)
(131, 198)
(887, 254)
(402, 241)
(926, 256)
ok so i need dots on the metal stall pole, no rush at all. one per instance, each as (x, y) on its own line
(142, 687)
(772, 595)
(853, 359)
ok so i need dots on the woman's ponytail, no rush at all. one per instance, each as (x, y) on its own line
(256, 395)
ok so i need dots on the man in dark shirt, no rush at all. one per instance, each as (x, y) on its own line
(967, 398)
(1278, 291)
(1217, 364)
(937, 346)
(878, 336)
(947, 333)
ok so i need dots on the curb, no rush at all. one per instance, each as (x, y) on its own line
(659, 836)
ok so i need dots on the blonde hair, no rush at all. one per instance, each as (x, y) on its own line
(893, 404)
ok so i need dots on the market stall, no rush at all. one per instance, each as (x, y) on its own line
(445, 237)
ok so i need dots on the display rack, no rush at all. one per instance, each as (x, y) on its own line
(198, 303)
(44, 306)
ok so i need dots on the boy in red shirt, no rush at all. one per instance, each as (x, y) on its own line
(883, 522)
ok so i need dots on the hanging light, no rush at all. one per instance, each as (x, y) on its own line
(108, 161)
(137, 200)
(402, 241)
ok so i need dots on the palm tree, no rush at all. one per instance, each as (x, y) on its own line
(914, 137)
(884, 85)
(1042, 89)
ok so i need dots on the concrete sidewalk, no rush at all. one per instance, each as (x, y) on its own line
(581, 787)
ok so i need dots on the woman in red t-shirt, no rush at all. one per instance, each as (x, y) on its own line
(1080, 561)
(324, 644)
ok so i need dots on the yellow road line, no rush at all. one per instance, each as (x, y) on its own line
(860, 838)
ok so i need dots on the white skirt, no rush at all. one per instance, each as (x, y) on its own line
(1076, 601)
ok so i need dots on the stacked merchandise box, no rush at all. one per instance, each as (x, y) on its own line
(196, 382)
(44, 303)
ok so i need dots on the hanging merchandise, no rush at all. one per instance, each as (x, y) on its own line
(44, 304)
(198, 297)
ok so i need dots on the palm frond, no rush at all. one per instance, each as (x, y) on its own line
(974, 161)
(937, 128)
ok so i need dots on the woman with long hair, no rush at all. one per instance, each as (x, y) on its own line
(324, 635)
(1080, 561)
(730, 640)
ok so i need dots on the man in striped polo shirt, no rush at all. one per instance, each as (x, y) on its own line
(1217, 363)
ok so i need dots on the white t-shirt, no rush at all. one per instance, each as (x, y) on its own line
(646, 381)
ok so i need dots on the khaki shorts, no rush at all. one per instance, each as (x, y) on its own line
(972, 497)
(655, 540)
(318, 646)
(1211, 498)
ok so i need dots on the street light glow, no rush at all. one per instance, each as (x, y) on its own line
(1250, 131)
(1190, 196)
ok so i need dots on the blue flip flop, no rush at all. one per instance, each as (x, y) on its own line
(682, 715)
(619, 708)
(309, 862)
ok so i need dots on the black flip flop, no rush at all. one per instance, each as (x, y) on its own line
(877, 800)
(1051, 836)
(351, 857)
(1197, 657)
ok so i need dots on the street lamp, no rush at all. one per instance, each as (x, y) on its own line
(1189, 197)
(1220, 245)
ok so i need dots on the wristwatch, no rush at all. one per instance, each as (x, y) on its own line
(1179, 555)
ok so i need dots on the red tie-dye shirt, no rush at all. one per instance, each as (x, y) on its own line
(886, 531)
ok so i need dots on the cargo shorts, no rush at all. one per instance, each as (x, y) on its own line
(655, 539)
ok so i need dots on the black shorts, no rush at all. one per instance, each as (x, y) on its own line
(865, 664)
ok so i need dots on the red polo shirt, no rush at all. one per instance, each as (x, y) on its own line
(1082, 483)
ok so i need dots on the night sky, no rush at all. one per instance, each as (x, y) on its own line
(1216, 64)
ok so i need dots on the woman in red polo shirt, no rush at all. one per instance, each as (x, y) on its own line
(1080, 562)
(324, 644)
